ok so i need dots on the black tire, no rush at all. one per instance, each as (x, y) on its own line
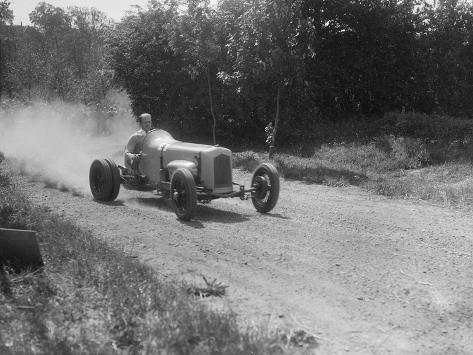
(101, 180)
(116, 179)
(183, 194)
(266, 182)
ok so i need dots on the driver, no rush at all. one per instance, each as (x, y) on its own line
(135, 143)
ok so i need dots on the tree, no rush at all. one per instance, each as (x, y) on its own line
(54, 25)
(265, 61)
(25, 71)
(146, 65)
(363, 54)
(62, 55)
(89, 55)
(6, 14)
(195, 39)
(449, 54)
(298, 63)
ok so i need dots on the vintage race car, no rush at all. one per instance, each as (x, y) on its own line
(186, 172)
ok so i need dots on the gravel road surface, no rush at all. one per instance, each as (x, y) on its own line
(362, 273)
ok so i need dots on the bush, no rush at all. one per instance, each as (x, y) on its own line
(409, 153)
(316, 171)
(430, 127)
(384, 154)
(247, 160)
(358, 157)
(391, 187)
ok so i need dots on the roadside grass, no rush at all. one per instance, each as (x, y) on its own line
(449, 184)
(420, 157)
(91, 298)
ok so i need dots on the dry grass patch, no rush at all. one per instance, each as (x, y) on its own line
(448, 184)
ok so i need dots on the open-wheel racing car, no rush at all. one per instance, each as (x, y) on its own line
(186, 172)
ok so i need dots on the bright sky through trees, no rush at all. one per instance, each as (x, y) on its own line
(115, 9)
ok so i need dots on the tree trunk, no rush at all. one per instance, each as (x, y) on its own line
(1, 71)
(4, 282)
(211, 105)
(276, 121)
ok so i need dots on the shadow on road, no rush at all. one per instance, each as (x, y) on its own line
(154, 202)
(276, 215)
(111, 203)
(206, 213)
(203, 213)
(193, 223)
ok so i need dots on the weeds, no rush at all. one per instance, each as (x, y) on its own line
(247, 160)
(214, 288)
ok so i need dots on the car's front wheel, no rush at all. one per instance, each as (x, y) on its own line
(265, 181)
(183, 194)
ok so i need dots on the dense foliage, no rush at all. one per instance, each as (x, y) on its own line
(6, 15)
(237, 66)
(63, 55)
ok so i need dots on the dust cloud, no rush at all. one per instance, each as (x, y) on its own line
(56, 142)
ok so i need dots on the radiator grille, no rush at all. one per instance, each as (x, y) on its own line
(222, 171)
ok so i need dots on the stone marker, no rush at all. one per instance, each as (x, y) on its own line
(19, 250)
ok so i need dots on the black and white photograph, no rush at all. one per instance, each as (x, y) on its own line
(236, 177)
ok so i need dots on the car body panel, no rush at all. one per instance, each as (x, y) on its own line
(214, 163)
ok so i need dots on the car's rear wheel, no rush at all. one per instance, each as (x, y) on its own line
(116, 179)
(101, 180)
(265, 181)
(183, 194)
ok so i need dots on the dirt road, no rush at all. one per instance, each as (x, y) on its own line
(362, 273)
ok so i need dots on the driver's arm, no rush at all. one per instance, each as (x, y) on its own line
(131, 145)
(131, 153)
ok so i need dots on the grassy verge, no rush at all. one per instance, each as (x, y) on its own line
(91, 298)
(422, 158)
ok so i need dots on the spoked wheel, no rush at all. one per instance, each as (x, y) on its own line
(265, 180)
(103, 180)
(183, 194)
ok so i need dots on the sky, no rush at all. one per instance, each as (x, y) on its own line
(113, 8)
